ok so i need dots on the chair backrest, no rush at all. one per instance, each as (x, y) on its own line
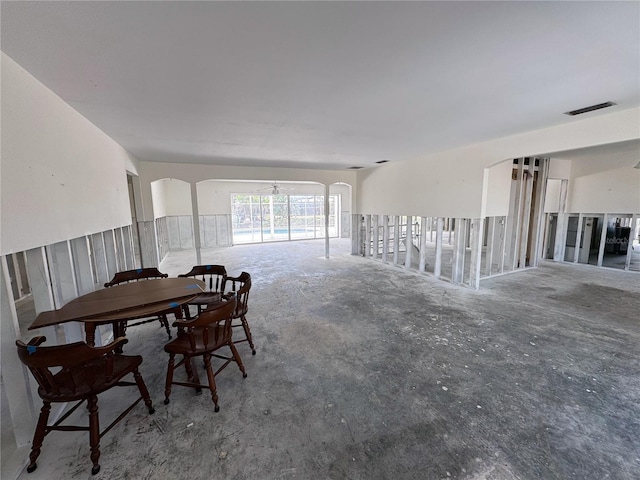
(211, 275)
(135, 275)
(214, 324)
(240, 286)
(41, 361)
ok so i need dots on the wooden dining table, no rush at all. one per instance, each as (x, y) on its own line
(127, 301)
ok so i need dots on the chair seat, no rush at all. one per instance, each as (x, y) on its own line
(182, 344)
(206, 298)
(90, 378)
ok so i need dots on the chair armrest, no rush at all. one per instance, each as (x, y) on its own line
(35, 341)
(116, 344)
(81, 352)
(183, 323)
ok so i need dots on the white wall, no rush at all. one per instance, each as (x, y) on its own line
(451, 183)
(171, 197)
(214, 195)
(612, 191)
(62, 177)
(192, 173)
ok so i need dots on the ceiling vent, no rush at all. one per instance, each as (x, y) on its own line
(580, 111)
(382, 161)
(355, 168)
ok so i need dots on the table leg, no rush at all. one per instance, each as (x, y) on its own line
(90, 333)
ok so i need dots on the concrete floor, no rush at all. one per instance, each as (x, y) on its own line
(366, 371)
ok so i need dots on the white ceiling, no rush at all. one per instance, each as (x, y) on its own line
(324, 84)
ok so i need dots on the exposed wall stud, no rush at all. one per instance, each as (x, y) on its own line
(367, 236)
(408, 241)
(396, 238)
(423, 245)
(603, 239)
(476, 252)
(385, 238)
(634, 221)
(375, 236)
(561, 227)
(576, 250)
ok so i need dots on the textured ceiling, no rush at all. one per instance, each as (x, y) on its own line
(324, 84)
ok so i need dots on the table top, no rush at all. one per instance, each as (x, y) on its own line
(128, 300)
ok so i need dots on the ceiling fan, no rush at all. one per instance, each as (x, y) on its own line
(274, 189)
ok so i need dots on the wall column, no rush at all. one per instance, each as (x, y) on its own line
(196, 223)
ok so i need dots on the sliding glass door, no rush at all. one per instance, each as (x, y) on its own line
(268, 218)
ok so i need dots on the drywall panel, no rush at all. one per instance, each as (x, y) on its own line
(613, 191)
(498, 188)
(452, 183)
(588, 165)
(559, 168)
(434, 186)
(62, 177)
(552, 196)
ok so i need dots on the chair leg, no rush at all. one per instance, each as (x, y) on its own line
(94, 432)
(143, 391)
(238, 360)
(38, 436)
(247, 332)
(192, 374)
(169, 381)
(212, 382)
(165, 323)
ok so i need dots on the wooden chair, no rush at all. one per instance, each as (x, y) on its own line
(213, 277)
(203, 336)
(135, 276)
(85, 372)
(240, 286)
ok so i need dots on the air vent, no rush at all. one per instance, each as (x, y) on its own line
(382, 161)
(580, 111)
(354, 168)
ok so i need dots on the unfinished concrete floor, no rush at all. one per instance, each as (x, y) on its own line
(366, 371)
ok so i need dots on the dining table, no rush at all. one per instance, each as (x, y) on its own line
(118, 304)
